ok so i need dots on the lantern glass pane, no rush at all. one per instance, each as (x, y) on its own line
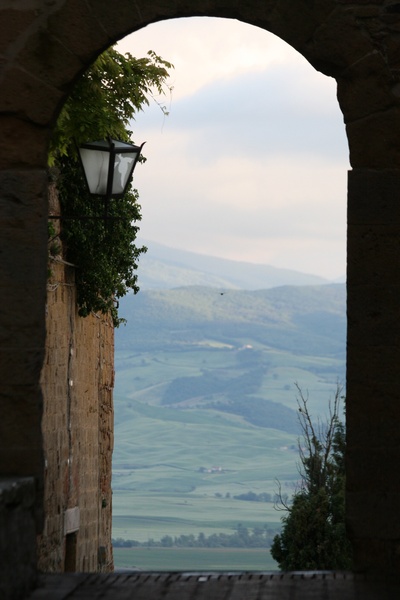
(95, 164)
(123, 167)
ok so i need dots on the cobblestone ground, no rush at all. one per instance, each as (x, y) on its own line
(212, 586)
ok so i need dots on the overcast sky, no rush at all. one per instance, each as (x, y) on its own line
(251, 163)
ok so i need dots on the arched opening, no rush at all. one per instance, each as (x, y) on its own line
(205, 162)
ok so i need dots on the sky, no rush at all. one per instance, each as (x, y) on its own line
(251, 162)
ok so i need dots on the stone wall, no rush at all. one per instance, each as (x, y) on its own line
(77, 382)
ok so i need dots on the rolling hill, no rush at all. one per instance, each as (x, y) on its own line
(205, 405)
(165, 267)
(235, 351)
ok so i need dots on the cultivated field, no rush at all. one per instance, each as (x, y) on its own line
(205, 410)
(194, 559)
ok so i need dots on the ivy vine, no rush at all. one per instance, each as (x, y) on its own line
(102, 104)
(102, 250)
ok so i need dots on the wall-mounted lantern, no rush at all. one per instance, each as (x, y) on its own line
(108, 167)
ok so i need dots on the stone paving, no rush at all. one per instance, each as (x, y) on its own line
(212, 586)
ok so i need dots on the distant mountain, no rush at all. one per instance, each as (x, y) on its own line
(305, 319)
(165, 268)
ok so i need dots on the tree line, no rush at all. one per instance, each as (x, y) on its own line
(252, 496)
(242, 537)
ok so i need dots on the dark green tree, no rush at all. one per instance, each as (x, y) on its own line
(313, 535)
(103, 103)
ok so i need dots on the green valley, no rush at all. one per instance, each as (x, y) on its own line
(205, 404)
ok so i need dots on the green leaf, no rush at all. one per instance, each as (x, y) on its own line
(102, 104)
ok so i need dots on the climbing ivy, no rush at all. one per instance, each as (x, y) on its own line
(106, 98)
(103, 250)
(102, 104)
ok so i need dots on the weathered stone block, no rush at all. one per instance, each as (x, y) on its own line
(372, 364)
(17, 537)
(30, 97)
(379, 247)
(364, 87)
(372, 419)
(373, 140)
(13, 25)
(77, 28)
(374, 477)
(373, 197)
(375, 319)
(32, 153)
(20, 415)
(379, 558)
(338, 57)
(42, 56)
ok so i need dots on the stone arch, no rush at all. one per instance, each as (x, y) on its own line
(45, 45)
(353, 44)
(335, 40)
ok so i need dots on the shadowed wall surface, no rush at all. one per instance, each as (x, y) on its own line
(46, 44)
(77, 382)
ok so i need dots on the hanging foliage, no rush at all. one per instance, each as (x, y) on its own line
(102, 103)
(106, 98)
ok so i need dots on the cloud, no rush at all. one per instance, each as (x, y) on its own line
(208, 49)
(263, 211)
(260, 114)
(251, 163)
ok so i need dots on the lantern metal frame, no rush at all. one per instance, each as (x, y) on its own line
(105, 175)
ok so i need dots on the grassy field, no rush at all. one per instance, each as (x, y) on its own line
(163, 451)
(164, 483)
(185, 359)
(145, 376)
(143, 517)
(193, 559)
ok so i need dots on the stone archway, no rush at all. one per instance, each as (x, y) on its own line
(46, 45)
